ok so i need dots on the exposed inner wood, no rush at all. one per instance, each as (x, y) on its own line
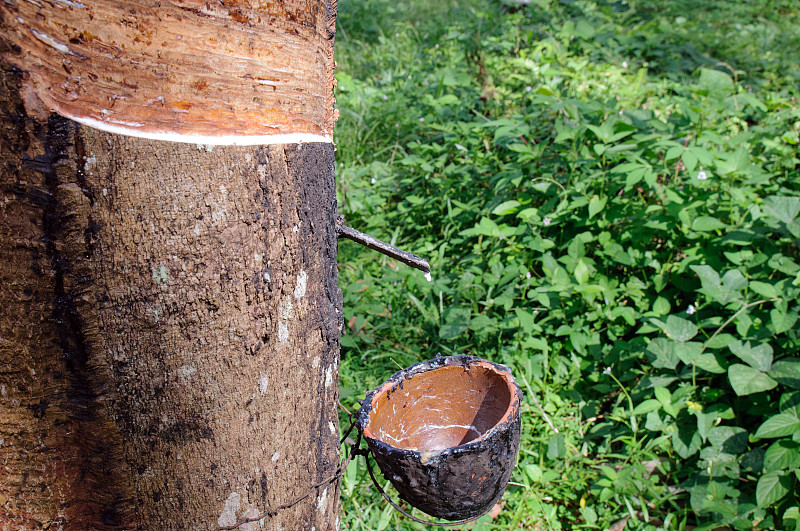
(240, 71)
(441, 408)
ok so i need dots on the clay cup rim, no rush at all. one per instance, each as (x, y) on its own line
(447, 404)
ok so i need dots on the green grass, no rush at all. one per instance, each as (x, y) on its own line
(547, 160)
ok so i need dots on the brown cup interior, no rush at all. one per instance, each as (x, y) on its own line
(441, 408)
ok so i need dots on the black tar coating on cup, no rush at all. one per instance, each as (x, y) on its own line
(459, 482)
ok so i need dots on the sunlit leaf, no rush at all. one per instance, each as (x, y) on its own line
(677, 328)
(787, 372)
(758, 357)
(780, 425)
(771, 488)
(746, 380)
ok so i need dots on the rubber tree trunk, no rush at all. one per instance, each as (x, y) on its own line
(169, 320)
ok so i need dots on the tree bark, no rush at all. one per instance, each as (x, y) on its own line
(169, 329)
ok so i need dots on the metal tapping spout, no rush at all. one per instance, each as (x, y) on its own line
(375, 244)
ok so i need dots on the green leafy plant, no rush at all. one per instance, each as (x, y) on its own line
(609, 195)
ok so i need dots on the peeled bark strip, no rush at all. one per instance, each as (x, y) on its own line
(233, 72)
(169, 324)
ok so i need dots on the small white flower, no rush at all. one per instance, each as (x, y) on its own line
(625, 65)
(546, 221)
(385, 97)
(528, 88)
(691, 309)
(701, 176)
(422, 119)
(373, 181)
(607, 370)
(528, 274)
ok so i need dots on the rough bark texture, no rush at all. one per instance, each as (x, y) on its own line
(169, 329)
(245, 68)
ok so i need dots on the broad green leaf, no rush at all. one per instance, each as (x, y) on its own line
(686, 440)
(673, 196)
(483, 324)
(584, 29)
(737, 161)
(635, 175)
(654, 422)
(556, 446)
(601, 133)
(662, 349)
(596, 204)
(780, 425)
(688, 352)
(564, 132)
(734, 280)
(706, 224)
(673, 153)
(526, 320)
(647, 406)
(783, 454)
(731, 439)
(708, 362)
(717, 495)
(506, 207)
(721, 290)
(576, 248)
(588, 514)
(783, 208)
(705, 422)
(447, 99)
(663, 395)
(449, 331)
(720, 341)
(714, 81)
(582, 272)
(787, 372)
(750, 99)
(754, 460)
(677, 328)
(534, 472)
(758, 357)
(485, 227)
(661, 306)
(719, 463)
(765, 290)
(782, 321)
(746, 380)
(789, 401)
(545, 90)
(703, 155)
(456, 322)
(707, 274)
(772, 488)
(690, 161)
